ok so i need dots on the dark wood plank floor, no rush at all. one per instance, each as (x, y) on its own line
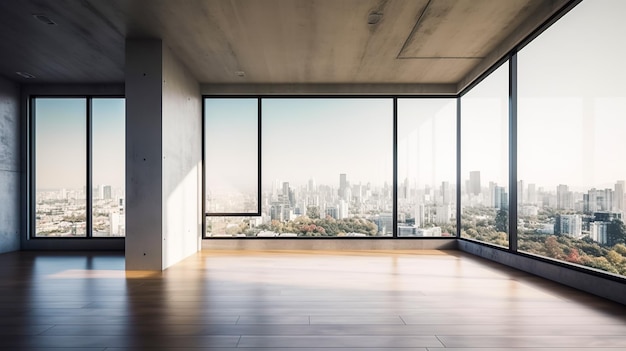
(296, 300)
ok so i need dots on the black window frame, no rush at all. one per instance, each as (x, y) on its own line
(32, 171)
(393, 97)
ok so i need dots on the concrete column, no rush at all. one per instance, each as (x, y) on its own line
(144, 179)
(163, 157)
(9, 166)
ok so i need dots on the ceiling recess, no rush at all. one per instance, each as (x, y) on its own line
(44, 19)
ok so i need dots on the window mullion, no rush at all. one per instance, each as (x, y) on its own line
(89, 175)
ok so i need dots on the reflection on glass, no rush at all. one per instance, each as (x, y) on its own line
(108, 167)
(485, 161)
(327, 170)
(60, 178)
(426, 167)
(571, 133)
(231, 155)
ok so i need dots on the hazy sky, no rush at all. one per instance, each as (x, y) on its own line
(427, 141)
(571, 125)
(60, 142)
(485, 129)
(231, 144)
(321, 138)
(572, 99)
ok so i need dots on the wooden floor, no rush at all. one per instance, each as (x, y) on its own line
(291, 300)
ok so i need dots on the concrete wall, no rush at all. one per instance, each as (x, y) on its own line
(9, 166)
(163, 157)
(330, 244)
(182, 161)
(594, 284)
(144, 164)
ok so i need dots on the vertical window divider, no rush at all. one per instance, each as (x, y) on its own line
(32, 199)
(395, 168)
(203, 153)
(513, 199)
(259, 153)
(458, 166)
(89, 183)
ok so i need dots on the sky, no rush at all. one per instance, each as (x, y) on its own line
(60, 142)
(571, 125)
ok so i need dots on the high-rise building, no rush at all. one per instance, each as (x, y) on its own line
(570, 225)
(474, 183)
(532, 194)
(444, 214)
(343, 209)
(599, 232)
(419, 214)
(343, 185)
(521, 195)
(618, 196)
(445, 193)
(106, 192)
(312, 187)
(564, 198)
(501, 198)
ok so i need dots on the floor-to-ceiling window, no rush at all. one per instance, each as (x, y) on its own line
(485, 159)
(426, 167)
(327, 167)
(79, 157)
(571, 136)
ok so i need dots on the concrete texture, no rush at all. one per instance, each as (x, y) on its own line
(9, 166)
(182, 161)
(611, 289)
(330, 244)
(163, 157)
(144, 130)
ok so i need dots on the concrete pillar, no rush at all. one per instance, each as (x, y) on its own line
(163, 157)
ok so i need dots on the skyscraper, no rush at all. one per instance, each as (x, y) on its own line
(107, 194)
(532, 194)
(564, 198)
(445, 192)
(343, 184)
(474, 183)
(618, 197)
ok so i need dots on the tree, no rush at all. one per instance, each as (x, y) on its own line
(502, 221)
(573, 256)
(616, 232)
(313, 212)
(553, 248)
(615, 258)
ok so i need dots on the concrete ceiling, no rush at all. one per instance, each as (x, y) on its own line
(271, 41)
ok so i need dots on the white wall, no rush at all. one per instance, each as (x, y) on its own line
(9, 166)
(182, 161)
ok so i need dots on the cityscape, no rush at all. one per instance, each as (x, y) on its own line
(61, 212)
(341, 209)
(579, 226)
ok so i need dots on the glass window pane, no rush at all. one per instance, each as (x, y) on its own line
(231, 155)
(60, 164)
(426, 167)
(571, 132)
(108, 167)
(327, 170)
(485, 160)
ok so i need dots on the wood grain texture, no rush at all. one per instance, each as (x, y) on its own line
(295, 300)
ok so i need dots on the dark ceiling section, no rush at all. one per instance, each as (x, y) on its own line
(83, 46)
(270, 41)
